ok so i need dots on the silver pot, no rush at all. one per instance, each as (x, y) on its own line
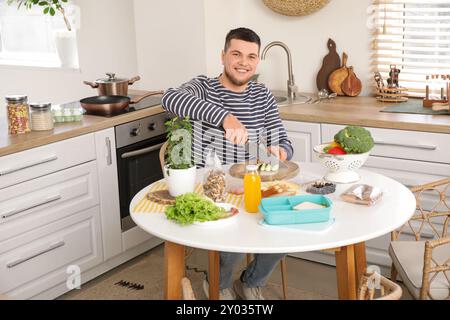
(112, 86)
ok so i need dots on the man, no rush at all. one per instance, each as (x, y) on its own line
(229, 113)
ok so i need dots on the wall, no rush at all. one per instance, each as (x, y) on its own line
(170, 41)
(106, 42)
(342, 20)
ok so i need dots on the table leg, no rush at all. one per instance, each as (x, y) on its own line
(360, 262)
(213, 275)
(345, 271)
(174, 267)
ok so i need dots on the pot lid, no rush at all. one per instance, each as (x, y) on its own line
(111, 78)
(16, 98)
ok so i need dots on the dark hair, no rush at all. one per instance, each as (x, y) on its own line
(242, 34)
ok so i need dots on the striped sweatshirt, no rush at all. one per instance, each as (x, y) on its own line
(207, 102)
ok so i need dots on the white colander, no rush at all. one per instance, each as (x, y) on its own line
(341, 167)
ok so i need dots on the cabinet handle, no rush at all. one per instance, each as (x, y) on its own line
(22, 260)
(13, 212)
(141, 151)
(29, 165)
(108, 148)
(420, 146)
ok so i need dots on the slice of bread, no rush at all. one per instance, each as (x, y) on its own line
(308, 206)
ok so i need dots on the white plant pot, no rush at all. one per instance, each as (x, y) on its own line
(66, 45)
(180, 181)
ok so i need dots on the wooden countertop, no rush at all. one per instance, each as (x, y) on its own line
(15, 143)
(363, 111)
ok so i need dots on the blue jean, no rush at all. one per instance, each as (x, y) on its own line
(257, 272)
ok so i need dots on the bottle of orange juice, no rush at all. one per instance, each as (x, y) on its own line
(252, 189)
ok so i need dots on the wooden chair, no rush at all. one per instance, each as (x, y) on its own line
(186, 289)
(369, 284)
(162, 152)
(424, 265)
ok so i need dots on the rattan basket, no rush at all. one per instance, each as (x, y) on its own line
(295, 7)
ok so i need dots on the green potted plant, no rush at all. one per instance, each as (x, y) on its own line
(48, 7)
(179, 169)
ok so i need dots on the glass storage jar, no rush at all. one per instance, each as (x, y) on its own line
(41, 116)
(18, 114)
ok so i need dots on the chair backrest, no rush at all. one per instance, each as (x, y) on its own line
(162, 153)
(186, 289)
(376, 287)
(437, 218)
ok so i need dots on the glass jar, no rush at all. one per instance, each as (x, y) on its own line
(252, 189)
(18, 114)
(41, 116)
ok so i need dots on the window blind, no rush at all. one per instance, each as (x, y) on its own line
(413, 35)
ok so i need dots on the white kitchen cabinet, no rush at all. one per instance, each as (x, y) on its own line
(304, 137)
(49, 216)
(402, 144)
(38, 260)
(410, 157)
(109, 192)
(38, 202)
(26, 165)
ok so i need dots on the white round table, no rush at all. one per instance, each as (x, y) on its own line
(354, 224)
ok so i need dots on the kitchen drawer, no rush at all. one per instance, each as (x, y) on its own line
(402, 144)
(26, 165)
(38, 260)
(41, 201)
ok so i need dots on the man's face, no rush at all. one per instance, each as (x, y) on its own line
(240, 61)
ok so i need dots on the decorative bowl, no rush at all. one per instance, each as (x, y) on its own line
(341, 168)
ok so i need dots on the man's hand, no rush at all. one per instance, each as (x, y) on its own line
(235, 131)
(278, 151)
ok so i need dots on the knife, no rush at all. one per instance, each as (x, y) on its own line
(265, 156)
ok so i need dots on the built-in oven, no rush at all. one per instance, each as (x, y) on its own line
(138, 144)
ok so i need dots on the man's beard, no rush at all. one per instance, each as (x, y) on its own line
(235, 81)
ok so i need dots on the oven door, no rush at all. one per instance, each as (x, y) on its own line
(138, 166)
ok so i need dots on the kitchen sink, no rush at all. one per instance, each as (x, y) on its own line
(280, 100)
(285, 101)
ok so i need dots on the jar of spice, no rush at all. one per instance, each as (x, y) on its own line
(41, 116)
(18, 114)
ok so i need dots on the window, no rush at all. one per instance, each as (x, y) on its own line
(415, 36)
(30, 38)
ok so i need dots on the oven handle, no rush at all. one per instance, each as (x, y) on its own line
(141, 151)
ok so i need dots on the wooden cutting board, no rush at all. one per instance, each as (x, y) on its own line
(288, 170)
(338, 76)
(161, 197)
(330, 63)
(351, 86)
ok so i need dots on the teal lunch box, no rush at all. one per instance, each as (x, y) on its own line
(280, 210)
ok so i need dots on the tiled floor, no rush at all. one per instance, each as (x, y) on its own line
(306, 280)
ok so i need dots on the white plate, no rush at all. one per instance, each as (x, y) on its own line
(220, 222)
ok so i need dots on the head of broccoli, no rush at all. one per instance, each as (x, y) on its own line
(354, 139)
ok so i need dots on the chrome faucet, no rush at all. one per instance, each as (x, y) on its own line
(291, 87)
